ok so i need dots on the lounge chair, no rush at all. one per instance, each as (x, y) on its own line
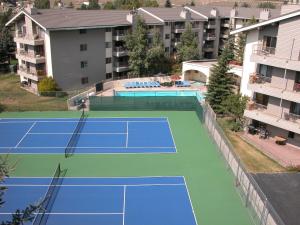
(146, 84)
(157, 84)
(186, 84)
(178, 83)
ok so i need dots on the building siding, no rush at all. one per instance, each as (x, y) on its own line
(66, 57)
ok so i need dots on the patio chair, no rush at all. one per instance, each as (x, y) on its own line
(157, 84)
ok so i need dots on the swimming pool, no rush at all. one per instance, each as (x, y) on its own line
(198, 94)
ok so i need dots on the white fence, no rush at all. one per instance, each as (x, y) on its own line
(253, 197)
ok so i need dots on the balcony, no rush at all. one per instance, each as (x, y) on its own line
(181, 28)
(35, 75)
(32, 57)
(210, 25)
(121, 66)
(120, 51)
(208, 48)
(210, 37)
(119, 35)
(263, 85)
(225, 23)
(24, 38)
(259, 112)
(224, 35)
(269, 56)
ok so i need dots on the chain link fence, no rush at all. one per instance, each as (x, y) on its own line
(261, 209)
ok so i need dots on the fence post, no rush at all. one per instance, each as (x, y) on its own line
(247, 194)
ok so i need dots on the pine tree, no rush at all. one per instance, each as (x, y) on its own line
(136, 43)
(188, 48)
(168, 4)
(42, 4)
(220, 84)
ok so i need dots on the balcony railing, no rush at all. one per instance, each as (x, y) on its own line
(292, 117)
(120, 33)
(263, 50)
(37, 72)
(31, 54)
(120, 49)
(256, 78)
(121, 64)
(256, 106)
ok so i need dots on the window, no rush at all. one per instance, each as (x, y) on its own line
(167, 49)
(107, 44)
(108, 75)
(83, 47)
(265, 70)
(167, 36)
(83, 64)
(84, 80)
(108, 60)
(297, 79)
(291, 134)
(107, 29)
(295, 108)
(82, 31)
(269, 44)
(166, 23)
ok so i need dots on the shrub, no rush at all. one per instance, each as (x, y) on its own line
(47, 86)
(266, 5)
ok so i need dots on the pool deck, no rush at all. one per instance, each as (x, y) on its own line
(118, 86)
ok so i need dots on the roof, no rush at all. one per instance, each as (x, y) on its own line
(149, 19)
(267, 22)
(224, 11)
(55, 19)
(170, 14)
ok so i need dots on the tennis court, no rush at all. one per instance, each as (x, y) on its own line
(86, 135)
(102, 201)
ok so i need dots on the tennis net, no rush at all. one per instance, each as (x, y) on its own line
(69, 150)
(48, 201)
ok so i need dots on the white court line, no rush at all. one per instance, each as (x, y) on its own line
(124, 204)
(135, 177)
(76, 133)
(88, 121)
(187, 190)
(90, 185)
(172, 134)
(127, 134)
(34, 147)
(71, 213)
(25, 134)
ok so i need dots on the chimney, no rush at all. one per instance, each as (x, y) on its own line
(214, 12)
(31, 9)
(185, 14)
(265, 14)
(131, 16)
(233, 12)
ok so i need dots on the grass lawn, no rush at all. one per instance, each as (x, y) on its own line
(210, 183)
(254, 160)
(14, 98)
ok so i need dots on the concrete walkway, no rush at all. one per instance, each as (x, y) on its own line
(286, 155)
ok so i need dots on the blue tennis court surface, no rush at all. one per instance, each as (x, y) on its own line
(105, 201)
(97, 135)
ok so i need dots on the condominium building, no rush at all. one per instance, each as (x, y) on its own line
(271, 75)
(79, 48)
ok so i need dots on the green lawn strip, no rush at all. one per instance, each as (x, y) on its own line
(210, 184)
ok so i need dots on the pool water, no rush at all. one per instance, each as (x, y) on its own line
(198, 94)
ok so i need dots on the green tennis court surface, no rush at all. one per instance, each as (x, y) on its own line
(210, 184)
